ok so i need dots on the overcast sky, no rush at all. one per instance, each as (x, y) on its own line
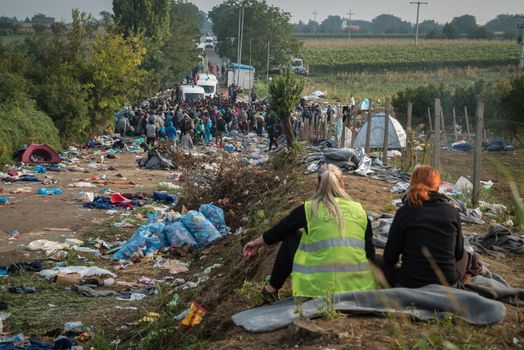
(440, 10)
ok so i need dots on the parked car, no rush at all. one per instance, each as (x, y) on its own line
(498, 145)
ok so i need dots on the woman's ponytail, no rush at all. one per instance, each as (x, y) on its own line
(423, 180)
(329, 188)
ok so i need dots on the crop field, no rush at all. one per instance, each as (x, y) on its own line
(339, 55)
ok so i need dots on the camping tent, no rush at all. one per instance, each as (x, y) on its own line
(39, 154)
(397, 135)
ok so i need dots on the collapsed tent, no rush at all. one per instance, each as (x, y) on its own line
(396, 138)
(39, 154)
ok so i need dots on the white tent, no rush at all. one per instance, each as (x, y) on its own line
(396, 138)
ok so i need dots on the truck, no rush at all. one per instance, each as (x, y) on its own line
(190, 93)
(242, 75)
(297, 66)
(210, 42)
(209, 83)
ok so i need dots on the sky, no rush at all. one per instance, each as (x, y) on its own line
(439, 10)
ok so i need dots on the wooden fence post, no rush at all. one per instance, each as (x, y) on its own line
(429, 118)
(410, 116)
(436, 136)
(478, 153)
(368, 130)
(385, 145)
(467, 120)
(353, 128)
(443, 125)
(409, 142)
(455, 125)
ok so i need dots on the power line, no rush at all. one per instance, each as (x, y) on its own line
(418, 3)
(350, 13)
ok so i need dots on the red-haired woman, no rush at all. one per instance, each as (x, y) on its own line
(425, 228)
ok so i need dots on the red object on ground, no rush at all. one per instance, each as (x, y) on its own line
(118, 198)
(39, 154)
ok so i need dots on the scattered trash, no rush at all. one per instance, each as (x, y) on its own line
(22, 290)
(463, 186)
(192, 316)
(82, 271)
(400, 187)
(49, 191)
(493, 209)
(73, 326)
(487, 185)
(40, 169)
(133, 297)
(82, 184)
(175, 266)
(4, 200)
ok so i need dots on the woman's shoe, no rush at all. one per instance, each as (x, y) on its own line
(268, 297)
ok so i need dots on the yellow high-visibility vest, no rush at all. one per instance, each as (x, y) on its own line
(328, 261)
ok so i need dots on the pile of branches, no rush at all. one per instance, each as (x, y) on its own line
(179, 158)
(236, 189)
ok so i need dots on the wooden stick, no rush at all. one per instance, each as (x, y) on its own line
(368, 130)
(385, 145)
(455, 125)
(436, 136)
(478, 153)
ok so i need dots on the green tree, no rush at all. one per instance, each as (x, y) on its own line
(285, 92)
(465, 24)
(332, 24)
(142, 17)
(450, 31)
(511, 103)
(262, 24)
(386, 23)
(503, 23)
(113, 78)
(428, 26)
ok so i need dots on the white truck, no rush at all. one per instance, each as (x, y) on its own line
(210, 42)
(209, 83)
(242, 75)
(298, 66)
(190, 93)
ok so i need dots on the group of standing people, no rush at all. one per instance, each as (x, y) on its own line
(185, 123)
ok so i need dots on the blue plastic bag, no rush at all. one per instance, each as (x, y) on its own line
(216, 216)
(49, 191)
(200, 228)
(40, 169)
(150, 237)
(178, 236)
(3, 200)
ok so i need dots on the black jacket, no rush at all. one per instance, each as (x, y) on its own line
(436, 226)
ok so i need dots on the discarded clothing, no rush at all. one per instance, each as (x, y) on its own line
(164, 198)
(83, 271)
(106, 204)
(89, 291)
(22, 290)
(498, 238)
(31, 345)
(495, 289)
(426, 303)
(34, 266)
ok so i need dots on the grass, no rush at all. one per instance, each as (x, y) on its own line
(379, 85)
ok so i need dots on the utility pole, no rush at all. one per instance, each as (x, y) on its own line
(521, 42)
(267, 72)
(315, 21)
(350, 13)
(418, 3)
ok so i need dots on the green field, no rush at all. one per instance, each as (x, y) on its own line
(342, 55)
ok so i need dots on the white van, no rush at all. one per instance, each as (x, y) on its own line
(190, 93)
(209, 83)
(210, 42)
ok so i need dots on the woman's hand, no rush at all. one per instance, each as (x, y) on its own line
(251, 248)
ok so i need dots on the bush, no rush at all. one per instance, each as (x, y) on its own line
(22, 124)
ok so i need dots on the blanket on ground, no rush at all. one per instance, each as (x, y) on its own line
(426, 303)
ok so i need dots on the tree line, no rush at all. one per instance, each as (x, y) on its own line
(504, 104)
(459, 27)
(71, 79)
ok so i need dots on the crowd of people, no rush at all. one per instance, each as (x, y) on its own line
(185, 123)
